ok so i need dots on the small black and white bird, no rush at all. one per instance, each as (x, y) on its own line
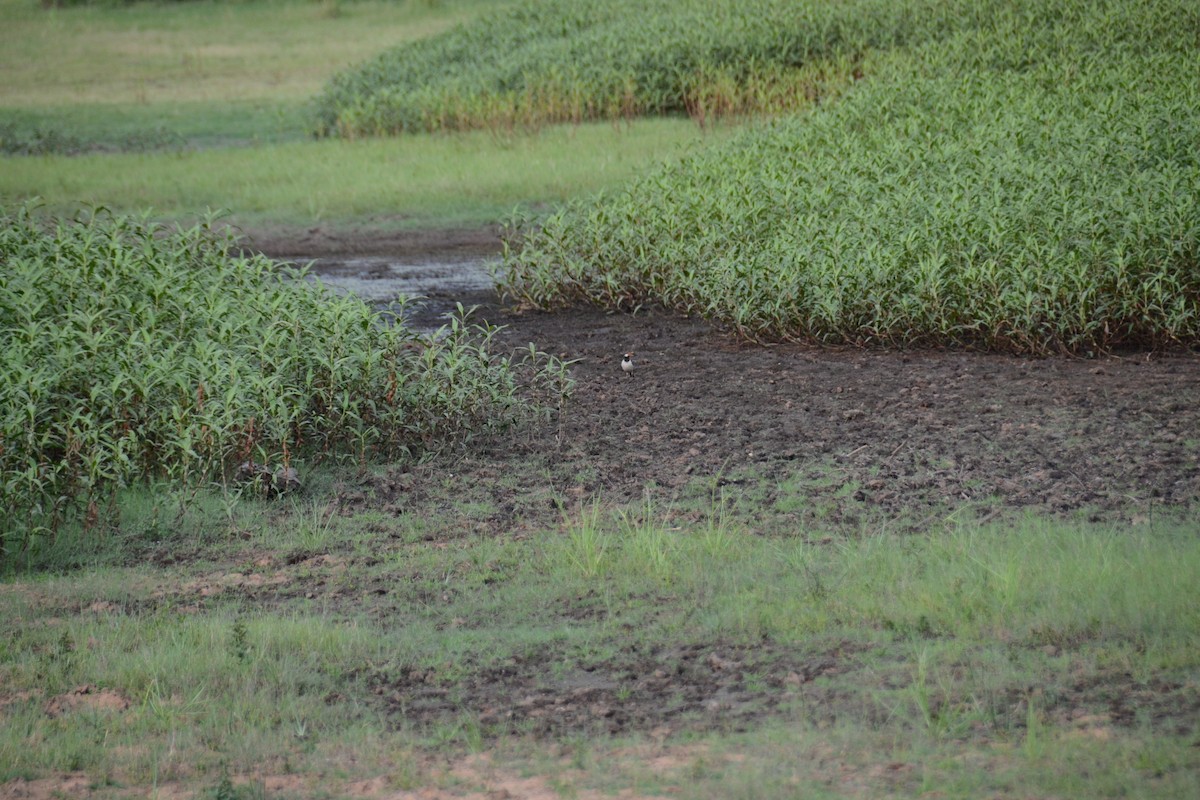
(627, 363)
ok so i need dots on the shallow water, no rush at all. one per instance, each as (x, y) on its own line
(379, 280)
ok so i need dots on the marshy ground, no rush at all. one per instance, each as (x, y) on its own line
(792, 438)
(739, 571)
(846, 436)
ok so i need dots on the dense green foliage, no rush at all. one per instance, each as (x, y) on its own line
(135, 352)
(572, 60)
(1031, 182)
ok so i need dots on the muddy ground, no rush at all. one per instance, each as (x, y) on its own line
(793, 440)
(822, 436)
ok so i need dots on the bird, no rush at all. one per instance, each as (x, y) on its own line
(627, 363)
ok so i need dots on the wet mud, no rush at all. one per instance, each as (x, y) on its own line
(800, 440)
(849, 435)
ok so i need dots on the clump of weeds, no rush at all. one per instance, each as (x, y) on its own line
(135, 352)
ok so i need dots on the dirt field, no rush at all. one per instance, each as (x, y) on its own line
(843, 437)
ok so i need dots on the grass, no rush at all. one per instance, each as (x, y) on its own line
(1022, 657)
(192, 686)
(468, 179)
(148, 54)
(539, 63)
(1039, 582)
(169, 126)
(172, 111)
(145, 76)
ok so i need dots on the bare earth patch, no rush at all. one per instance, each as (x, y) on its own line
(855, 436)
(835, 436)
(696, 687)
(378, 238)
(87, 697)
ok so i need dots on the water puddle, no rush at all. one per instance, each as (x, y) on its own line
(379, 280)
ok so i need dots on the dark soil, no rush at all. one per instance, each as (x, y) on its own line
(870, 434)
(861, 435)
(799, 440)
(693, 687)
(380, 237)
(730, 688)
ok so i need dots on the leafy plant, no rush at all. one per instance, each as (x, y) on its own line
(999, 188)
(137, 352)
(538, 63)
(239, 640)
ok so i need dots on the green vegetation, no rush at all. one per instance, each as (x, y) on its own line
(165, 127)
(1028, 182)
(569, 61)
(1030, 582)
(993, 181)
(1019, 175)
(134, 352)
(170, 108)
(1018, 659)
(433, 181)
(208, 51)
(147, 76)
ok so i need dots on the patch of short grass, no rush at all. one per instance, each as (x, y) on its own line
(1033, 581)
(170, 127)
(135, 77)
(1028, 655)
(471, 178)
(150, 53)
(188, 692)
(844, 760)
